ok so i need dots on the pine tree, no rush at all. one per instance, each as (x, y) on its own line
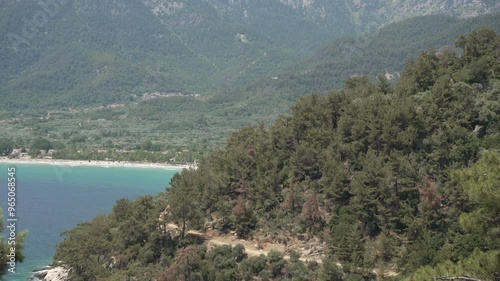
(482, 183)
(311, 215)
(183, 205)
(5, 248)
(243, 218)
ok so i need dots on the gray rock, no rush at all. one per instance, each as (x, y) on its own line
(58, 273)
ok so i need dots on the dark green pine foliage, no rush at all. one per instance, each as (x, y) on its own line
(6, 146)
(6, 246)
(403, 178)
(377, 159)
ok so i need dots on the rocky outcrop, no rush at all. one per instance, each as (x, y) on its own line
(58, 273)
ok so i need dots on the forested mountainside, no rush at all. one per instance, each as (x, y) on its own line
(383, 52)
(399, 182)
(67, 53)
(176, 121)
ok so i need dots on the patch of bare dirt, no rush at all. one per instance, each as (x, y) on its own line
(261, 246)
(310, 249)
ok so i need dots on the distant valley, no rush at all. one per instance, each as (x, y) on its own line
(57, 53)
(230, 63)
(358, 138)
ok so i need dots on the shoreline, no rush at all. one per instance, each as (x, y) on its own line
(94, 163)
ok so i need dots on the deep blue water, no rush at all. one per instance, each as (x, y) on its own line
(51, 199)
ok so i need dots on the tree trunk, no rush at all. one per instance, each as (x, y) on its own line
(183, 232)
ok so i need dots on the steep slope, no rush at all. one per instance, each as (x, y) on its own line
(89, 53)
(378, 178)
(66, 53)
(383, 52)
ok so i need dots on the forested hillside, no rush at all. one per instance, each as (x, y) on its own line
(56, 54)
(397, 181)
(193, 122)
(378, 53)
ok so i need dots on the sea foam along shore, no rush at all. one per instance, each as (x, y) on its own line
(105, 164)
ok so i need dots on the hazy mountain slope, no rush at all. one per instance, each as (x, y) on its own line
(89, 53)
(301, 23)
(372, 181)
(385, 51)
(66, 53)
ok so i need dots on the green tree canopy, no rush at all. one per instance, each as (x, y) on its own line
(5, 248)
(481, 182)
(6, 146)
(41, 143)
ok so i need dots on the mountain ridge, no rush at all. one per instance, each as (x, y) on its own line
(51, 51)
(373, 54)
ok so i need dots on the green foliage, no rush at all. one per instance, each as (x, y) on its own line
(375, 161)
(252, 267)
(41, 143)
(6, 146)
(296, 270)
(387, 51)
(124, 241)
(276, 263)
(244, 223)
(6, 246)
(222, 263)
(386, 177)
(183, 201)
(481, 183)
(88, 248)
(187, 266)
(330, 271)
(480, 265)
(88, 53)
(233, 79)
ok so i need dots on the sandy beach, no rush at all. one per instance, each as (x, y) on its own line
(105, 164)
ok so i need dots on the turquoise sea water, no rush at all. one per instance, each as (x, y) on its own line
(51, 199)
